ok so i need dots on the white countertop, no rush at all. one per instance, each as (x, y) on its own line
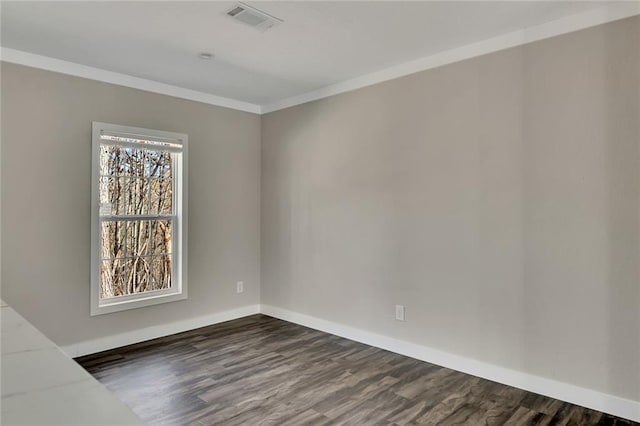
(41, 385)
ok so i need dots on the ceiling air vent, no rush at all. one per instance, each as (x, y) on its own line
(251, 16)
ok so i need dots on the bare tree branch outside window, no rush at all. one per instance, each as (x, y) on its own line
(136, 210)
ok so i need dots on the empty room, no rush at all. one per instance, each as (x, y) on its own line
(320, 213)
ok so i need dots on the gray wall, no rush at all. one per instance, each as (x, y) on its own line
(498, 198)
(46, 178)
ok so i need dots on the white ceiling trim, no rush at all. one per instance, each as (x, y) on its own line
(590, 18)
(78, 70)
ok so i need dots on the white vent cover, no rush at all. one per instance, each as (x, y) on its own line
(251, 16)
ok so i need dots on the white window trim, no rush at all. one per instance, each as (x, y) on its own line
(179, 289)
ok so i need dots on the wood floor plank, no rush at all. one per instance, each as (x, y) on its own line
(260, 370)
(527, 417)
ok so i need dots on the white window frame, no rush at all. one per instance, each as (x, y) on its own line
(178, 290)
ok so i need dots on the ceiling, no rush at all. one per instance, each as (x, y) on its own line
(317, 45)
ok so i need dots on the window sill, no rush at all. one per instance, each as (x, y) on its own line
(138, 302)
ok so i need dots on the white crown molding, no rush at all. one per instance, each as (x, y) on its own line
(141, 335)
(558, 390)
(611, 12)
(590, 18)
(78, 70)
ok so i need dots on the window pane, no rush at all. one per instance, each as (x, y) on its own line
(111, 196)
(117, 196)
(112, 239)
(158, 164)
(137, 237)
(161, 196)
(139, 275)
(124, 192)
(161, 234)
(106, 185)
(145, 185)
(112, 278)
(161, 272)
(106, 161)
(114, 161)
(132, 162)
(166, 205)
(136, 193)
(128, 194)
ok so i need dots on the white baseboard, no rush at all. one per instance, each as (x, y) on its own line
(563, 391)
(144, 334)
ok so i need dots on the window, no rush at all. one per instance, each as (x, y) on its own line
(139, 227)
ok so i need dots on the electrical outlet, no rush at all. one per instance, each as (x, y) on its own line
(240, 286)
(400, 312)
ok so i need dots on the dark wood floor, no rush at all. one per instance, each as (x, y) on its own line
(260, 370)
